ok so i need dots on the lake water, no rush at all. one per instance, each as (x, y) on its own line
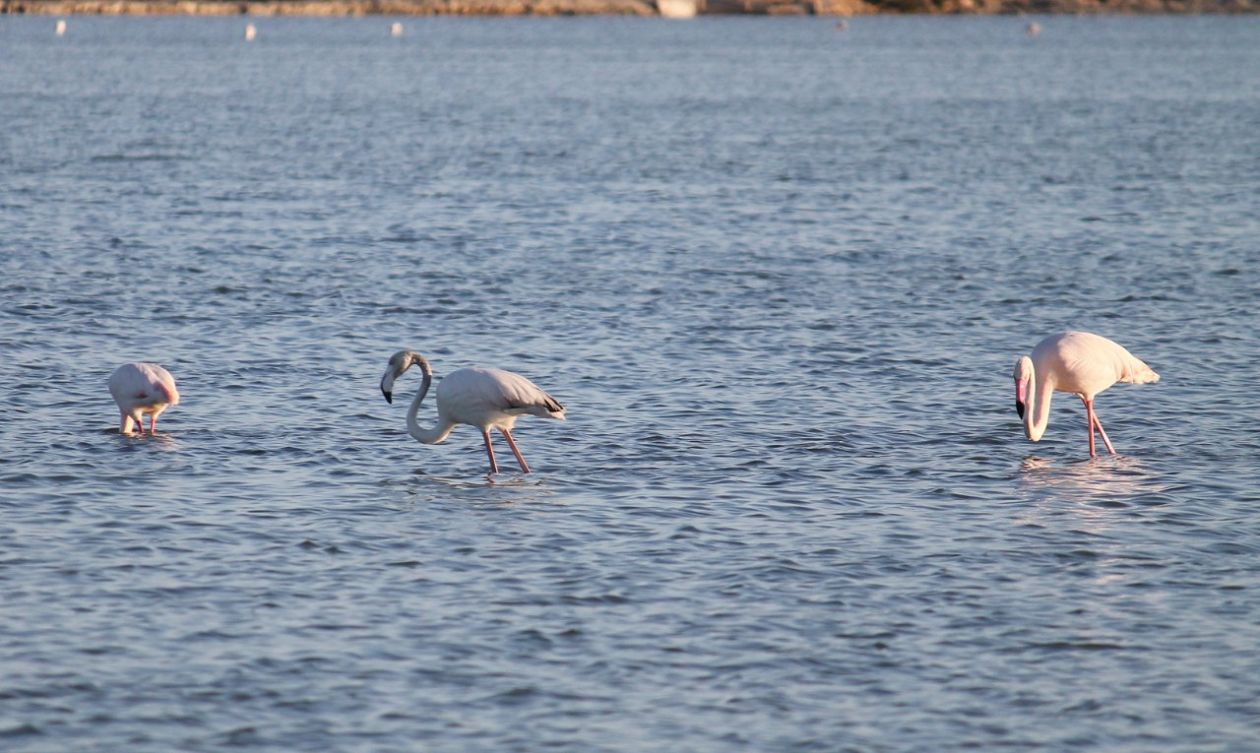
(778, 274)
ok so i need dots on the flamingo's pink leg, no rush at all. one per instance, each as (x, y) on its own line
(494, 467)
(1106, 441)
(153, 423)
(1089, 424)
(520, 459)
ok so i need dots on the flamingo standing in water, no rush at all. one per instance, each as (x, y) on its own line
(485, 398)
(1078, 362)
(142, 389)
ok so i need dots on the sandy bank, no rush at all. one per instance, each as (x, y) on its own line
(613, 7)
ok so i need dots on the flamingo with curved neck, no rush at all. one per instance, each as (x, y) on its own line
(485, 398)
(1081, 363)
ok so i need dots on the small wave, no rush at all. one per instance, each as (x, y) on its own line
(145, 157)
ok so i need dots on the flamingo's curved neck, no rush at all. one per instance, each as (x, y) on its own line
(427, 436)
(1037, 417)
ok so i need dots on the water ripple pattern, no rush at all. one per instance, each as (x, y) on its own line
(778, 275)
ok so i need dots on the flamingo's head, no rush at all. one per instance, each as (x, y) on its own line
(1023, 375)
(398, 363)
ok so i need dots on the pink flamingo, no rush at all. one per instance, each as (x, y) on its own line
(1078, 362)
(142, 389)
(485, 398)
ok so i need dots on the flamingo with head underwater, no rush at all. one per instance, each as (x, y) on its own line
(142, 389)
(485, 398)
(1077, 362)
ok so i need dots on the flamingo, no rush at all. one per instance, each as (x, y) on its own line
(1078, 362)
(485, 398)
(140, 389)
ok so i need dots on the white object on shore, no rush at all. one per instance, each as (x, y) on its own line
(676, 8)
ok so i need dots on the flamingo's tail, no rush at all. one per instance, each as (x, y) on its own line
(169, 392)
(1136, 372)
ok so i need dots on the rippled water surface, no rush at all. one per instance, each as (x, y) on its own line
(778, 274)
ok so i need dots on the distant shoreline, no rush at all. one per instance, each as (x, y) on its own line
(325, 8)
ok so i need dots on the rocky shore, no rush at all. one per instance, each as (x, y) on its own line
(615, 7)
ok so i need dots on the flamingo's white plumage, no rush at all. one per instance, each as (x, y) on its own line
(142, 389)
(1077, 362)
(485, 398)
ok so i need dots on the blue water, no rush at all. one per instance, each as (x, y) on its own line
(778, 275)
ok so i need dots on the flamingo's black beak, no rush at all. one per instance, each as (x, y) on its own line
(1019, 408)
(389, 398)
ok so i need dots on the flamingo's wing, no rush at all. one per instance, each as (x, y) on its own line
(1088, 364)
(142, 384)
(501, 391)
(1112, 358)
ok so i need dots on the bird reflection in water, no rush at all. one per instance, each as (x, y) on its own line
(164, 442)
(422, 490)
(1116, 477)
